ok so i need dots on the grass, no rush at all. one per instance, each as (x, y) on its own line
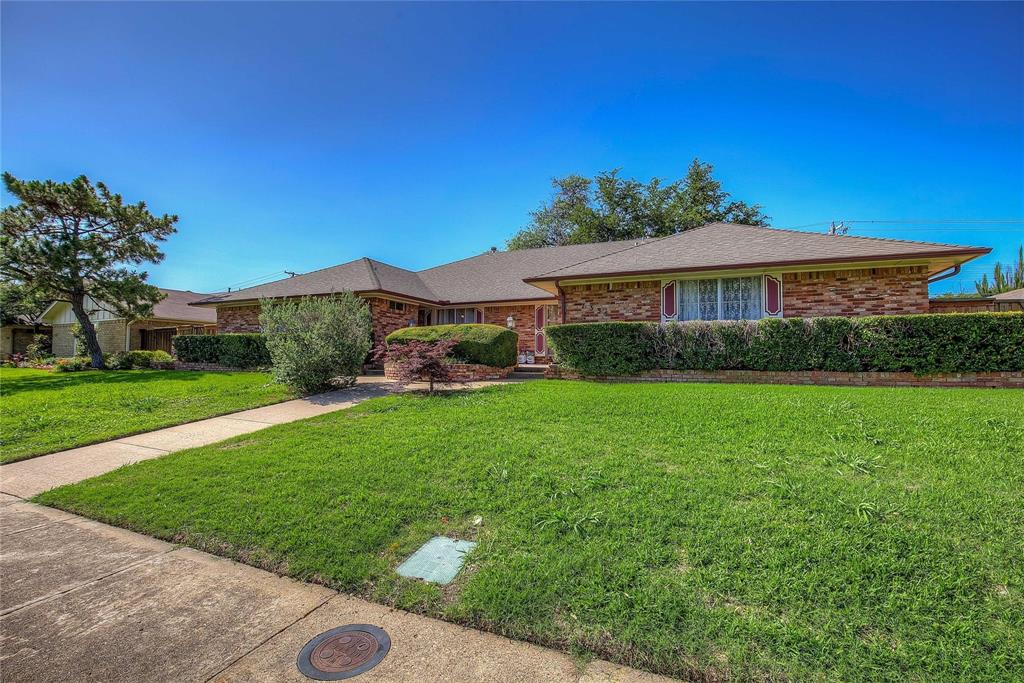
(706, 531)
(43, 412)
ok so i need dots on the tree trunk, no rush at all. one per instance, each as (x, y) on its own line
(88, 330)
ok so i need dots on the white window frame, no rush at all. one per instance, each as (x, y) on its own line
(720, 298)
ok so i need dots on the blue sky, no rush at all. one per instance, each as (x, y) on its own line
(292, 136)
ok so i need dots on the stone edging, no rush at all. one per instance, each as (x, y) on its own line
(462, 372)
(1009, 380)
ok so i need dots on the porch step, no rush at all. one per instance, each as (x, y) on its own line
(536, 368)
(535, 371)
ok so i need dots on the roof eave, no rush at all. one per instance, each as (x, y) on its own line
(971, 253)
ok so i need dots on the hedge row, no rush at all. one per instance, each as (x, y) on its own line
(922, 344)
(484, 344)
(231, 350)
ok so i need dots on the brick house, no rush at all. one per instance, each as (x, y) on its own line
(720, 271)
(1007, 301)
(172, 315)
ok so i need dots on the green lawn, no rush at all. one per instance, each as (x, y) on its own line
(42, 412)
(704, 531)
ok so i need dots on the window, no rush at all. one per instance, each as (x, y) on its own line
(730, 298)
(396, 305)
(457, 316)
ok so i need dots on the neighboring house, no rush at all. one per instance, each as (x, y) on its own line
(172, 315)
(1007, 301)
(16, 336)
(720, 271)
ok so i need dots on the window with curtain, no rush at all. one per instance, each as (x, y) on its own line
(456, 316)
(730, 298)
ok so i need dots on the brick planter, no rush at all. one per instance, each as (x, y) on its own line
(1008, 380)
(462, 372)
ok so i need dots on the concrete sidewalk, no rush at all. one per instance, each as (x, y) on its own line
(27, 478)
(82, 600)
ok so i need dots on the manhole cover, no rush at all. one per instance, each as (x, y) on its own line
(344, 652)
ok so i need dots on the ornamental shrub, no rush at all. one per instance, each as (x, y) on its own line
(484, 344)
(75, 364)
(231, 350)
(316, 343)
(416, 360)
(140, 359)
(950, 342)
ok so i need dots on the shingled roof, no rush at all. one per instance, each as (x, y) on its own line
(507, 275)
(722, 246)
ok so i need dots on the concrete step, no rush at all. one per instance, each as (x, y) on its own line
(533, 369)
(526, 375)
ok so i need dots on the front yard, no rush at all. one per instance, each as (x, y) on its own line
(704, 531)
(42, 412)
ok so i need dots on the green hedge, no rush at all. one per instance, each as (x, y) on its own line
(129, 360)
(951, 342)
(232, 350)
(484, 344)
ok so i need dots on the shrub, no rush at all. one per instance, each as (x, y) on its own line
(231, 350)
(484, 344)
(620, 348)
(75, 364)
(416, 360)
(316, 341)
(38, 347)
(952, 342)
(140, 359)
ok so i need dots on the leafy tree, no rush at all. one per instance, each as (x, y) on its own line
(66, 241)
(1003, 279)
(609, 207)
(316, 343)
(416, 360)
(18, 300)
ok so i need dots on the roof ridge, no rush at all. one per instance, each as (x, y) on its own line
(519, 251)
(643, 242)
(373, 271)
(861, 237)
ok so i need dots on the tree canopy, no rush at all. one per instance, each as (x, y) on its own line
(66, 241)
(609, 207)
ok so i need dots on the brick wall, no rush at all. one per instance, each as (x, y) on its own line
(109, 333)
(870, 291)
(613, 301)
(386, 320)
(960, 306)
(461, 372)
(524, 322)
(238, 318)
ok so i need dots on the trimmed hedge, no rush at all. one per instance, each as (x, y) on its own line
(138, 358)
(231, 350)
(484, 344)
(922, 344)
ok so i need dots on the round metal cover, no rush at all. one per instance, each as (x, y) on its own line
(344, 652)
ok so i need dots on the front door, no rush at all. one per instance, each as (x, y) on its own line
(541, 315)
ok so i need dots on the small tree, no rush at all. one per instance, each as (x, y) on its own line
(316, 343)
(67, 241)
(418, 360)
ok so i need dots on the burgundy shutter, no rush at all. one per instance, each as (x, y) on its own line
(479, 315)
(538, 336)
(668, 301)
(772, 295)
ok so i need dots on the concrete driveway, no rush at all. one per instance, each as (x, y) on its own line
(84, 601)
